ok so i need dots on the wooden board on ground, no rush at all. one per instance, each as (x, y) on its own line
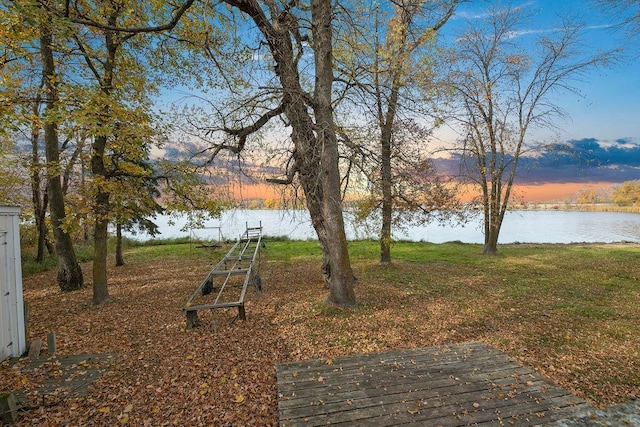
(63, 376)
(454, 385)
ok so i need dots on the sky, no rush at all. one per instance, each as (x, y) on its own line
(603, 123)
(610, 102)
(604, 119)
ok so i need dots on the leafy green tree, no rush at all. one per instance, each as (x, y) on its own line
(132, 187)
(104, 104)
(107, 36)
(69, 273)
(41, 90)
(21, 110)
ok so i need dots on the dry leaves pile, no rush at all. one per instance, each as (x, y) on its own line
(223, 373)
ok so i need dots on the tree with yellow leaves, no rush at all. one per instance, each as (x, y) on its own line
(386, 58)
(627, 193)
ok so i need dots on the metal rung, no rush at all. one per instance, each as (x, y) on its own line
(211, 306)
(230, 272)
(239, 257)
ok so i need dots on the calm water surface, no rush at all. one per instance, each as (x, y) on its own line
(518, 226)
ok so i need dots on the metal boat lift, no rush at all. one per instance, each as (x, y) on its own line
(235, 270)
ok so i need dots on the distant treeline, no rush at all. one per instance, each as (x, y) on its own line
(623, 197)
(583, 207)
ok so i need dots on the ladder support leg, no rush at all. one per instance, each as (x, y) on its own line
(192, 319)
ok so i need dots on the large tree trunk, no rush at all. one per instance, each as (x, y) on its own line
(491, 242)
(386, 175)
(342, 280)
(100, 290)
(492, 227)
(41, 227)
(119, 256)
(387, 198)
(39, 197)
(101, 206)
(100, 212)
(387, 123)
(69, 272)
(316, 146)
(400, 50)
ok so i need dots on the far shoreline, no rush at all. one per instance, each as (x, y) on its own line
(577, 207)
(258, 204)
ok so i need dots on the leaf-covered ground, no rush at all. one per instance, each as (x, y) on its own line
(574, 324)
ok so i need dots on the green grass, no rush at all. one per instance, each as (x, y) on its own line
(584, 281)
(292, 250)
(84, 252)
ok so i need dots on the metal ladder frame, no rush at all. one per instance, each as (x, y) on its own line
(246, 248)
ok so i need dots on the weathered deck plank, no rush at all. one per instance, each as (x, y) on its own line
(63, 376)
(456, 385)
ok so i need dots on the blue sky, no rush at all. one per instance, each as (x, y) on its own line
(610, 103)
(604, 120)
(603, 123)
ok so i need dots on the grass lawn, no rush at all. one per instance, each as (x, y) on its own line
(571, 312)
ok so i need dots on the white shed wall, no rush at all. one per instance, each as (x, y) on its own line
(12, 328)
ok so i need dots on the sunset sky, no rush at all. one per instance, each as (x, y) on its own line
(604, 124)
(610, 104)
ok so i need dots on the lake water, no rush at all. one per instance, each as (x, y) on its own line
(518, 226)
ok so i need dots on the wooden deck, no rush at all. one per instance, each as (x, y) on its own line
(455, 385)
